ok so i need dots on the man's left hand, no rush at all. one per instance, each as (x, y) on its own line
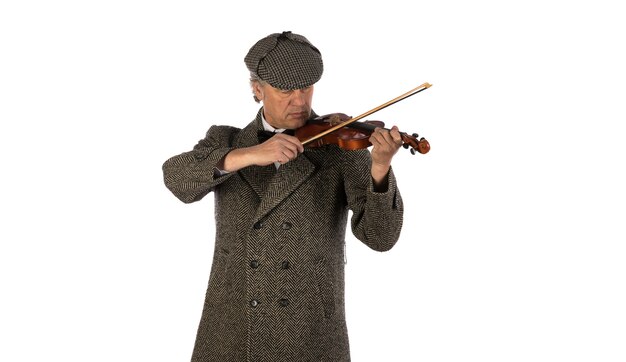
(386, 144)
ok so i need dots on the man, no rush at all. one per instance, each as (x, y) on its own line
(276, 288)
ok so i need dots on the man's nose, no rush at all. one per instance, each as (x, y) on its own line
(298, 97)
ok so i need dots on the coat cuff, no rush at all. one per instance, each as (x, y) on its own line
(387, 197)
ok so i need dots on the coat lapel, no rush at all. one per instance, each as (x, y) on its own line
(286, 180)
(256, 176)
(271, 185)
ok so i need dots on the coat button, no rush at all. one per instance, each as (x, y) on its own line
(254, 303)
(286, 225)
(284, 265)
(283, 302)
(258, 225)
(254, 264)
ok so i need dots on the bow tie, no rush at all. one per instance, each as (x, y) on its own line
(266, 135)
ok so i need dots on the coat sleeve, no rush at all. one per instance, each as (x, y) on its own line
(192, 175)
(377, 216)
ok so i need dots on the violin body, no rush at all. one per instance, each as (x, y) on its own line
(348, 138)
(352, 136)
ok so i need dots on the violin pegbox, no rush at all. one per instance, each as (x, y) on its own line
(415, 143)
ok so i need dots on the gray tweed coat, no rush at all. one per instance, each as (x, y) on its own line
(276, 287)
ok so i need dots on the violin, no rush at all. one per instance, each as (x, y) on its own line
(349, 134)
(353, 136)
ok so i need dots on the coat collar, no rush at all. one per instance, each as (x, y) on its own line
(271, 185)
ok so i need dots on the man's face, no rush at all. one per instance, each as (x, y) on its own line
(284, 108)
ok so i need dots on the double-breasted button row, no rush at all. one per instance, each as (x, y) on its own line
(255, 264)
(283, 302)
(285, 226)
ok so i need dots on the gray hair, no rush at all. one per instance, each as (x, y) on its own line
(254, 78)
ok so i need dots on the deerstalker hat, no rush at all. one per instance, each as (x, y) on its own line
(285, 61)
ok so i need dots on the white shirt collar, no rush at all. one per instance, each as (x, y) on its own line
(268, 127)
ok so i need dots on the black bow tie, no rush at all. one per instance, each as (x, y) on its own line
(266, 135)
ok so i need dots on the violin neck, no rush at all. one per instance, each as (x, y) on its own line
(363, 126)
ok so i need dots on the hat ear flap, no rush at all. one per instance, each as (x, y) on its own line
(299, 38)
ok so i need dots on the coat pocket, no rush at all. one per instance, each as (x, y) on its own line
(325, 288)
(220, 284)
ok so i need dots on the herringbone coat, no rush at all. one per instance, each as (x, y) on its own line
(276, 287)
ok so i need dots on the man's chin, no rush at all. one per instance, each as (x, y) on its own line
(299, 120)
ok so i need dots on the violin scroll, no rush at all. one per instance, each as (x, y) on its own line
(420, 145)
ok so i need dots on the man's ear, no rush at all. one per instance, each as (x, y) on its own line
(258, 90)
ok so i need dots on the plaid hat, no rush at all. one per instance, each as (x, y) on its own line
(285, 61)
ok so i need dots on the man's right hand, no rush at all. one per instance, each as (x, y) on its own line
(280, 148)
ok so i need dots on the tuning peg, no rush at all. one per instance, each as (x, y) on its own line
(415, 135)
(412, 151)
(405, 145)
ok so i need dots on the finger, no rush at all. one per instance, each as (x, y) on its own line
(292, 141)
(282, 144)
(395, 135)
(287, 155)
(388, 137)
(384, 137)
(293, 150)
(392, 137)
(376, 138)
(290, 153)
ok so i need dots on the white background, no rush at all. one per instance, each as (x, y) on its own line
(513, 243)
